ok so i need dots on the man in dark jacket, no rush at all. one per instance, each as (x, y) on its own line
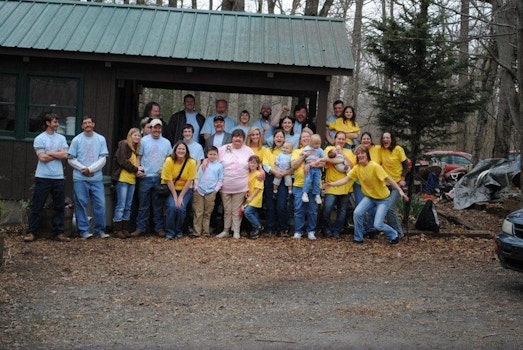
(174, 130)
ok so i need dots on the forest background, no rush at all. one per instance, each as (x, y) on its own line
(483, 37)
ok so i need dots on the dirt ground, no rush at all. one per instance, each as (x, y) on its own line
(445, 292)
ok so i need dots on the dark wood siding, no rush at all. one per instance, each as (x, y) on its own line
(18, 157)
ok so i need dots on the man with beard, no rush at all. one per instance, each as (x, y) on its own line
(301, 119)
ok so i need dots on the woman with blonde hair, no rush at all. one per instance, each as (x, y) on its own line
(125, 165)
(254, 140)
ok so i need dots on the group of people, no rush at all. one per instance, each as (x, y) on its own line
(191, 168)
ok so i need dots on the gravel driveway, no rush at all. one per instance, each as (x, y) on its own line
(273, 293)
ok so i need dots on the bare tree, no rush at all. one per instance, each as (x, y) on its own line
(461, 136)
(505, 19)
(233, 5)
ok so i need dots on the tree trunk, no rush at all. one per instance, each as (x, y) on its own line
(233, 5)
(463, 129)
(520, 88)
(354, 81)
(505, 20)
(311, 7)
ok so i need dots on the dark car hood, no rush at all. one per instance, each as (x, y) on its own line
(516, 217)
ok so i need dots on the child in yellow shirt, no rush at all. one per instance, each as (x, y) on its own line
(254, 197)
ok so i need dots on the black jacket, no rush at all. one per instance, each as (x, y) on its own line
(174, 130)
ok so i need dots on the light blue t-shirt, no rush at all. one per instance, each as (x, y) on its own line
(208, 126)
(317, 154)
(50, 143)
(208, 179)
(191, 119)
(87, 150)
(196, 150)
(265, 126)
(283, 161)
(153, 152)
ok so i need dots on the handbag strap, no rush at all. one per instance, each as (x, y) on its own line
(181, 171)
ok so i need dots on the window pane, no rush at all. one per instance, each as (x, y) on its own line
(7, 102)
(36, 122)
(56, 95)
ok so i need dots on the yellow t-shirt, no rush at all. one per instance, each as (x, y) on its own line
(260, 152)
(347, 127)
(254, 183)
(299, 174)
(171, 170)
(331, 174)
(375, 153)
(372, 180)
(391, 161)
(269, 156)
(126, 176)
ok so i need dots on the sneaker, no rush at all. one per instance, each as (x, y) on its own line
(103, 235)
(86, 235)
(161, 233)
(311, 236)
(236, 235)
(357, 242)
(223, 235)
(297, 235)
(169, 237)
(317, 199)
(256, 232)
(305, 197)
(29, 237)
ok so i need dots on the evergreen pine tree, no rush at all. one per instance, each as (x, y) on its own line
(423, 99)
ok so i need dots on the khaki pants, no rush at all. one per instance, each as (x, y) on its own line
(202, 207)
(231, 206)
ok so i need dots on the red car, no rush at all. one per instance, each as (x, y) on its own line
(454, 160)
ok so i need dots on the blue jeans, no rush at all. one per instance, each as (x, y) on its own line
(251, 214)
(313, 178)
(278, 218)
(366, 204)
(83, 192)
(148, 197)
(124, 200)
(41, 191)
(341, 201)
(174, 216)
(369, 218)
(392, 215)
(305, 214)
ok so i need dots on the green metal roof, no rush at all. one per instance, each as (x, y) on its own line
(147, 31)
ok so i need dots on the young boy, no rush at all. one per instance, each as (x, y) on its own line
(313, 176)
(206, 186)
(283, 163)
(253, 198)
